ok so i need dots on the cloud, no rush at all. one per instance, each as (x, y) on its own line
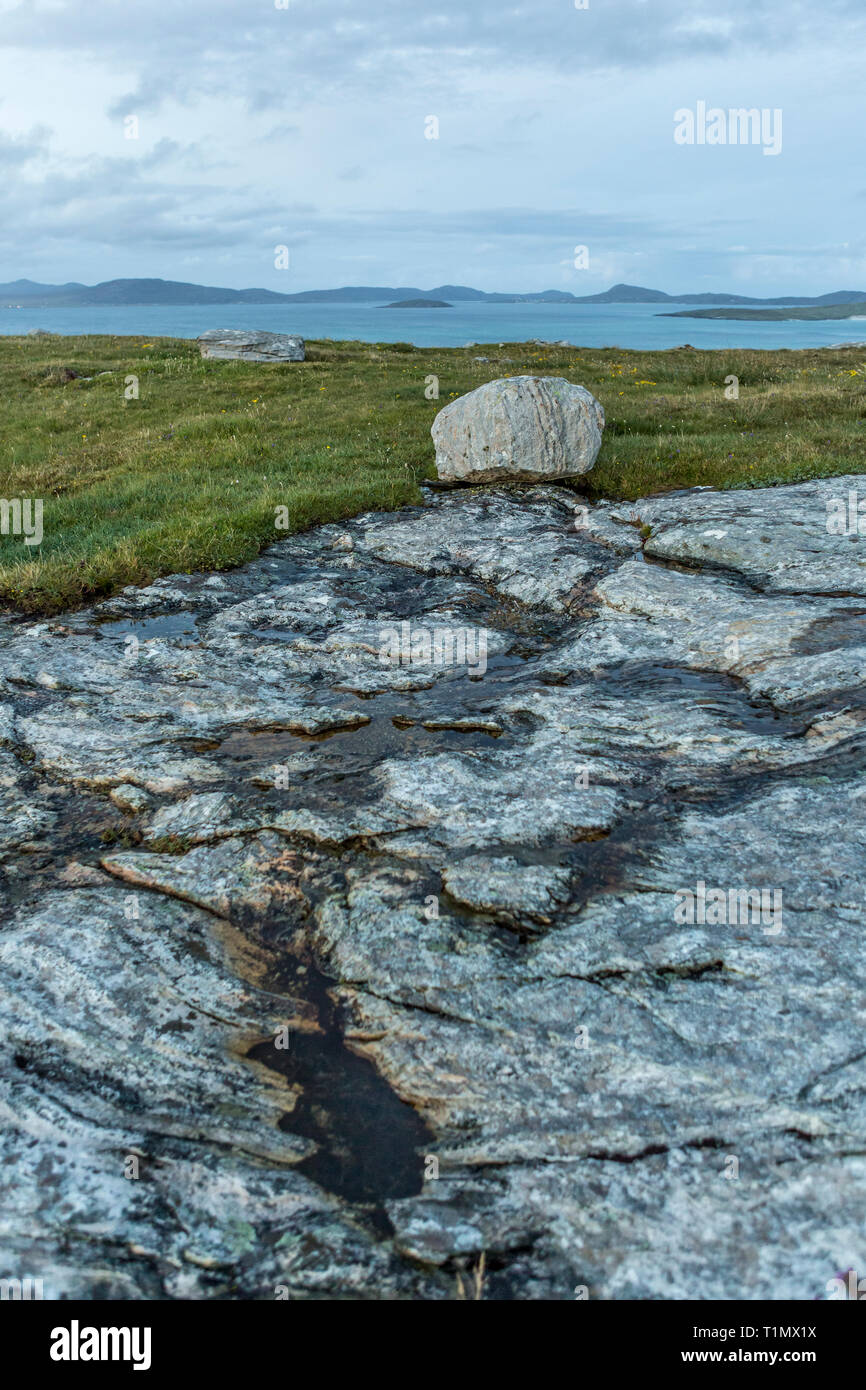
(269, 56)
(16, 150)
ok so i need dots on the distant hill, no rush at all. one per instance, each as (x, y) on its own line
(26, 289)
(810, 311)
(31, 294)
(131, 292)
(635, 294)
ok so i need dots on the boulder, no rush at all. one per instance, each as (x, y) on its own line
(525, 428)
(251, 345)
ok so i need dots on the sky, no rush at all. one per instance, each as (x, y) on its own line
(190, 139)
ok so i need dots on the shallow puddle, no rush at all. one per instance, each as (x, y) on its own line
(371, 1144)
(722, 694)
(387, 735)
(179, 628)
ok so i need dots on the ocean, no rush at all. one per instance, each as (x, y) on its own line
(585, 325)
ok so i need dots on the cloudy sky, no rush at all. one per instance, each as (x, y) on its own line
(306, 126)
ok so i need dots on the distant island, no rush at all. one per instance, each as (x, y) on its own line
(811, 311)
(419, 304)
(30, 294)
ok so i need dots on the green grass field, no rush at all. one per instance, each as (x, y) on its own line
(189, 475)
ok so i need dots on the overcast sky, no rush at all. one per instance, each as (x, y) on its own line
(305, 126)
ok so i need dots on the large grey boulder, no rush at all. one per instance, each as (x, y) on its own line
(525, 428)
(251, 345)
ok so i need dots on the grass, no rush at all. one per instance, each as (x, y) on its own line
(189, 475)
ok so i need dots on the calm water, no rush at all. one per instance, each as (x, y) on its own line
(589, 325)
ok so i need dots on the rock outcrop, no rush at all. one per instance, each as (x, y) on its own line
(519, 428)
(361, 917)
(251, 345)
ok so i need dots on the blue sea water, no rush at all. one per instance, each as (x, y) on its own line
(586, 325)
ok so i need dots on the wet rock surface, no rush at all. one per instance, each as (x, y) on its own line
(395, 901)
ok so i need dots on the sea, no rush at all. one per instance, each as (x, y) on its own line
(637, 326)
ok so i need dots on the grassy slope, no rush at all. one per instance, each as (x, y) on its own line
(189, 475)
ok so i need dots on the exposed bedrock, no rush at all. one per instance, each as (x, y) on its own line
(480, 882)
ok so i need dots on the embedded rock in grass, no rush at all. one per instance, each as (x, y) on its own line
(251, 345)
(522, 428)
